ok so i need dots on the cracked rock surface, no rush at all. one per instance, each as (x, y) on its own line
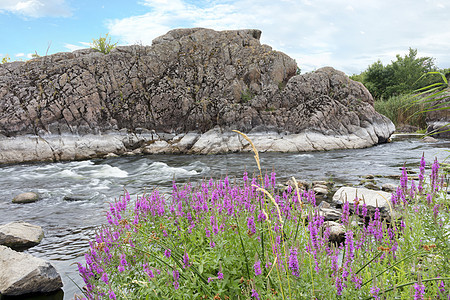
(189, 81)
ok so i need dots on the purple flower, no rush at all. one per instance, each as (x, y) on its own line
(148, 271)
(442, 287)
(434, 175)
(257, 267)
(293, 262)
(412, 190)
(120, 268)
(112, 295)
(261, 216)
(404, 179)
(167, 253)
(251, 224)
(334, 262)
(339, 285)
(420, 291)
(436, 211)
(421, 174)
(429, 198)
(104, 278)
(186, 260)
(245, 177)
(255, 294)
(394, 199)
(176, 275)
(220, 275)
(212, 244)
(374, 291)
(123, 261)
(349, 254)
(345, 213)
(273, 178)
(357, 281)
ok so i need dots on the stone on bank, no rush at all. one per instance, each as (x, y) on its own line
(22, 273)
(20, 235)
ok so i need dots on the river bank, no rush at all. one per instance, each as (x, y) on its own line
(69, 225)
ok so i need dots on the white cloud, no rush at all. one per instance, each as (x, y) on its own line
(20, 55)
(81, 45)
(346, 34)
(36, 8)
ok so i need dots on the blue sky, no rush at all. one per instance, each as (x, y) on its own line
(348, 35)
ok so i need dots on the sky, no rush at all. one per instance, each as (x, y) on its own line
(348, 35)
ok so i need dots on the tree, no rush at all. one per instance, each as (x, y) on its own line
(400, 77)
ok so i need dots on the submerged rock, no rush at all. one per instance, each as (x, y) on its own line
(28, 197)
(77, 197)
(20, 235)
(22, 273)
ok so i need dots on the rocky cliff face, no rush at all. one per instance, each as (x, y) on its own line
(189, 81)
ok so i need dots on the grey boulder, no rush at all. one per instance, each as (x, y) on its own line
(371, 198)
(22, 273)
(20, 235)
(26, 198)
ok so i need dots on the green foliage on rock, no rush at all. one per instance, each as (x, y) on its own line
(103, 44)
(247, 95)
(6, 59)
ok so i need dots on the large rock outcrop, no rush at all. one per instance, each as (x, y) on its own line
(189, 81)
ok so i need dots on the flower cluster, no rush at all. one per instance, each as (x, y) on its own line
(251, 239)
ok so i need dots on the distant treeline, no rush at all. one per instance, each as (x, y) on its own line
(391, 86)
(400, 77)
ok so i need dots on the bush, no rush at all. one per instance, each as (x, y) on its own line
(249, 240)
(399, 77)
(6, 59)
(103, 44)
(400, 110)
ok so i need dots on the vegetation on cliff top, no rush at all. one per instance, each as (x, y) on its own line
(103, 44)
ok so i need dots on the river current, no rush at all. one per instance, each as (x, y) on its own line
(69, 225)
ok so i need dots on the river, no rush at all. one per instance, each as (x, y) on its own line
(68, 225)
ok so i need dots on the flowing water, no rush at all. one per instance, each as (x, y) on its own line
(69, 225)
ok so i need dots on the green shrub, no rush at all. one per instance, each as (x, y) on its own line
(400, 110)
(103, 44)
(6, 59)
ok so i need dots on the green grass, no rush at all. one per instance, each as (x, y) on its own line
(401, 110)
